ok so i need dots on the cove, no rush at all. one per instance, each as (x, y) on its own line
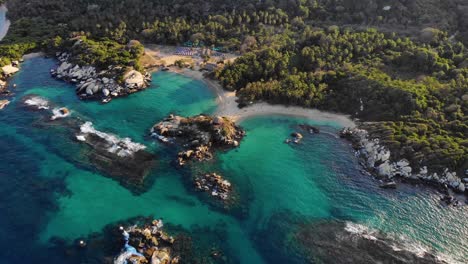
(317, 180)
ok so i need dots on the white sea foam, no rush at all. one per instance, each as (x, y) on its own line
(361, 230)
(81, 137)
(121, 146)
(38, 102)
(60, 113)
(403, 243)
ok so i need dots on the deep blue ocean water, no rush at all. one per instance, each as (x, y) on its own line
(46, 193)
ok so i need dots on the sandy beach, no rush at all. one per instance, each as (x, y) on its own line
(156, 55)
(227, 105)
(4, 22)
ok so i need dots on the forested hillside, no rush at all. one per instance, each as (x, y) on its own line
(416, 94)
(408, 75)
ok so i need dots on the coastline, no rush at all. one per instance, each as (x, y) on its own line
(7, 23)
(227, 105)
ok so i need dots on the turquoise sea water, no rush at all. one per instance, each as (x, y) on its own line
(44, 194)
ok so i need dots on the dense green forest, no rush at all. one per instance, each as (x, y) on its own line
(408, 74)
(415, 94)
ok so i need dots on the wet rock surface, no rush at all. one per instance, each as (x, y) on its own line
(215, 185)
(309, 128)
(119, 158)
(198, 136)
(340, 242)
(101, 85)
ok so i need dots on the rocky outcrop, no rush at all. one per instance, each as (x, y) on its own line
(214, 184)
(147, 244)
(377, 158)
(9, 70)
(296, 138)
(94, 84)
(198, 135)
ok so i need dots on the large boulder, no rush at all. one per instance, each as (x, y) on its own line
(63, 67)
(385, 169)
(134, 79)
(9, 69)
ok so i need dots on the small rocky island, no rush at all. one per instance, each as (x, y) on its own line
(146, 240)
(215, 185)
(199, 135)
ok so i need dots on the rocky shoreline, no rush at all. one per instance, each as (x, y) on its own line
(377, 159)
(198, 135)
(98, 85)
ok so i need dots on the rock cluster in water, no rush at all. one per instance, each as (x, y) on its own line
(198, 135)
(120, 158)
(214, 184)
(147, 244)
(93, 84)
(377, 158)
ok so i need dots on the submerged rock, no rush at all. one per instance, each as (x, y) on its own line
(297, 239)
(215, 185)
(198, 135)
(348, 242)
(153, 244)
(309, 128)
(120, 158)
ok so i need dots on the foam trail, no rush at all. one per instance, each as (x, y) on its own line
(38, 102)
(127, 250)
(59, 113)
(121, 146)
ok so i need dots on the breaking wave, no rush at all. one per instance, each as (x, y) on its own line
(400, 244)
(38, 102)
(60, 113)
(121, 146)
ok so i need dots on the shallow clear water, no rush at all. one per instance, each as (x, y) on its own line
(44, 194)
